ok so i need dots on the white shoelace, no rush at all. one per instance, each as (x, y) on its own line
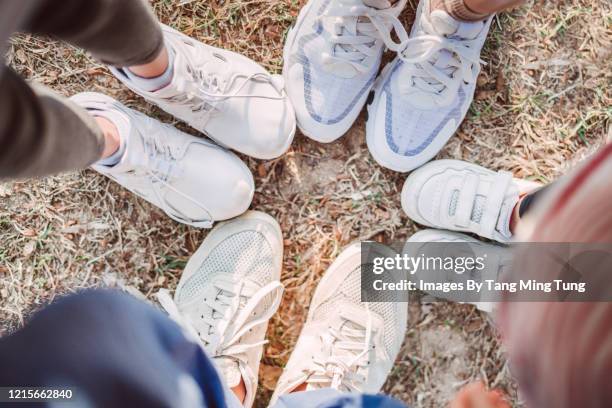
(354, 39)
(349, 350)
(229, 320)
(158, 170)
(420, 53)
(203, 92)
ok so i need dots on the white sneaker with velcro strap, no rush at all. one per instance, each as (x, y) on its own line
(434, 242)
(193, 180)
(228, 292)
(346, 344)
(460, 196)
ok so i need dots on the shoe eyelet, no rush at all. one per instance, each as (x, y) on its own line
(219, 56)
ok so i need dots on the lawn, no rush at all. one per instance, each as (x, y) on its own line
(543, 103)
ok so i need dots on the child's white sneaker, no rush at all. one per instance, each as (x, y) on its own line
(228, 292)
(422, 97)
(460, 196)
(194, 181)
(346, 344)
(435, 243)
(332, 57)
(225, 95)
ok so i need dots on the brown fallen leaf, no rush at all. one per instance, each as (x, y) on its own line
(261, 170)
(480, 95)
(29, 232)
(500, 82)
(269, 376)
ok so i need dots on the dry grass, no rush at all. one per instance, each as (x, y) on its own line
(543, 100)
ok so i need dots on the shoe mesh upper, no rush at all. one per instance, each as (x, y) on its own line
(409, 130)
(329, 98)
(246, 254)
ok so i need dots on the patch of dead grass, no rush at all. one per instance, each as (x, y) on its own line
(543, 101)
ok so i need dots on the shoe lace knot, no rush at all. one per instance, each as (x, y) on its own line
(356, 32)
(211, 80)
(160, 168)
(349, 350)
(438, 63)
(228, 311)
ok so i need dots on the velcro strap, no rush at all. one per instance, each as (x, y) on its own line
(495, 199)
(467, 198)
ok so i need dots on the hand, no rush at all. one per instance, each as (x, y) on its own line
(476, 395)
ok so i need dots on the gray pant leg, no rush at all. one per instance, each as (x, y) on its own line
(42, 133)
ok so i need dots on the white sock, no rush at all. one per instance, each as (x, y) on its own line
(158, 82)
(123, 127)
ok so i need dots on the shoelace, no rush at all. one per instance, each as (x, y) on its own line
(429, 78)
(232, 320)
(423, 51)
(203, 92)
(355, 39)
(158, 171)
(340, 371)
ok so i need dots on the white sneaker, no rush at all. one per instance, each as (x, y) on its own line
(194, 181)
(422, 97)
(225, 95)
(332, 57)
(229, 290)
(434, 243)
(460, 196)
(345, 344)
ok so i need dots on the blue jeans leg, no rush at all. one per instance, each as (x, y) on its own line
(330, 398)
(113, 350)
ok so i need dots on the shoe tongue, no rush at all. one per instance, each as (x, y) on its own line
(346, 70)
(214, 66)
(230, 370)
(134, 147)
(444, 24)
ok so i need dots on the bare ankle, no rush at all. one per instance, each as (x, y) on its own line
(458, 9)
(154, 68)
(300, 388)
(515, 219)
(112, 139)
(240, 391)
